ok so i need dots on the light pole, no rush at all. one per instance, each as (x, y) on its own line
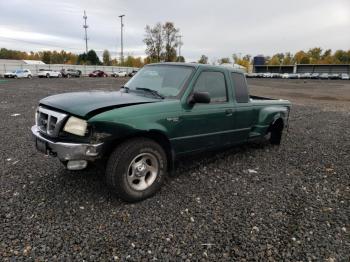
(121, 39)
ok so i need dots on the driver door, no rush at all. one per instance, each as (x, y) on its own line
(204, 126)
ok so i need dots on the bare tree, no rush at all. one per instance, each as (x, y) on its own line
(161, 42)
(170, 41)
(154, 42)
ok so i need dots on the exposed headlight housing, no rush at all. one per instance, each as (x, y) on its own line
(76, 126)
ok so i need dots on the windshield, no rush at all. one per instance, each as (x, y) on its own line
(167, 80)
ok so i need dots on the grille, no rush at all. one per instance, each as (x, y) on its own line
(49, 122)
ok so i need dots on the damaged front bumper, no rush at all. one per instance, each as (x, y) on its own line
(66, 151)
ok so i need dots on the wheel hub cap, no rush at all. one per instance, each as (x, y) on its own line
(142, 171)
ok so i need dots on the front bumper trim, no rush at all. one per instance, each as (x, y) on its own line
(69, 151)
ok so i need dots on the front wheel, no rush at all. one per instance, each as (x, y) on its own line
(47, 75)
(136, 169)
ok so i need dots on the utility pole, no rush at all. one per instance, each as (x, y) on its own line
(85, 26)
(180, 43)
(121, 39)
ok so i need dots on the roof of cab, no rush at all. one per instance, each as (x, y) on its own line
(196, 65)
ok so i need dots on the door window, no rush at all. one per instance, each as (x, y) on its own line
(240, 87)
(214, 84)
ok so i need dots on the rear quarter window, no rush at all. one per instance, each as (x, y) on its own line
(240, 87)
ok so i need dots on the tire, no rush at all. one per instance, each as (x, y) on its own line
(132, 165)
(68, 76)
(29, 76)
(15, 77)
(47, 75)
(276, 131)
(59, 76)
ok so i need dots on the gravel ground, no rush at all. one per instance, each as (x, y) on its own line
(254, 202)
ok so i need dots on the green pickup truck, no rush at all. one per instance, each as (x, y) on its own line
(165, 111)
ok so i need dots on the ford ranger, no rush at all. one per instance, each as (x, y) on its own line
(165, 111)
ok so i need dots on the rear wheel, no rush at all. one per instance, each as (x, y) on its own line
(29, 76)
(136, 169)
(47, 75)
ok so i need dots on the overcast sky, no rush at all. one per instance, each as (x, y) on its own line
(214, 28)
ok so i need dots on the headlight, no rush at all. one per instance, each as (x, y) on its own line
(76, 126)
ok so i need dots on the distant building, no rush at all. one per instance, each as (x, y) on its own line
(259, 60)
(20, 62)
(33, 62)
(303, 68)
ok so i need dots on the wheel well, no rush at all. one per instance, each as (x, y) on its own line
(156, 136)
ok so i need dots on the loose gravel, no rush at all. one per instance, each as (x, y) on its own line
(253, 202)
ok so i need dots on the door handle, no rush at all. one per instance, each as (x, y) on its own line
(229, 112)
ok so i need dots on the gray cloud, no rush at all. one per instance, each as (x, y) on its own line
(216, 29)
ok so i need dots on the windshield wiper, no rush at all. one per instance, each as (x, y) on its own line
(153, 92)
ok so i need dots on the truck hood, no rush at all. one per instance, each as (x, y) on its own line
(88, 104)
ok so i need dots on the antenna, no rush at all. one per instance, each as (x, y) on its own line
(85, 26)
(180, 43)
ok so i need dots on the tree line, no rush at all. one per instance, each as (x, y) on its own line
(63, 57)
(314, 55)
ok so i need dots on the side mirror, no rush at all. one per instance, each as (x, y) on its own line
(199, 98)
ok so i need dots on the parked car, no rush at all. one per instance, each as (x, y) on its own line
(344, 76)
(324, 76)
(315, 76)
(252, 75)
(98, 73)
(294, 76)
(48, 73)
(19, 73)
(285, 76)
(70, 73)
(305, 76)
(267, 75)
(119, 74)
(275, 75)
(132, 73)
(163, 112)
(334, 76)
